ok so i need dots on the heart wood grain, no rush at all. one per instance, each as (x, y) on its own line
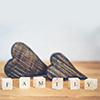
(24, 62)
(62, 67)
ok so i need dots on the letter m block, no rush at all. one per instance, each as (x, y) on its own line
(39, 82)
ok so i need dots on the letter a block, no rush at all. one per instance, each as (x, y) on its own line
(24, 82)
(57, 83)
(90, 84)
(74, 83)
(6, 84)
(39, 82)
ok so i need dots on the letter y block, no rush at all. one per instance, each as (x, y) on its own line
(90, 84)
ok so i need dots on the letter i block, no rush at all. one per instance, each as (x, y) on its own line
(39, 82)
(74, 83)
(57, 83)
(90, 84)
(24, 82)
(6, 84)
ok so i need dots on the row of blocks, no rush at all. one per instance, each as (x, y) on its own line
(57, 83)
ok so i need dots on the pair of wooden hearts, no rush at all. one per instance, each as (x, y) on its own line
(25, 63)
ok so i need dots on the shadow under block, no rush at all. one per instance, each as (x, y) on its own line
(74, 83)
(6, 84)
(24, 82)
(39, 82)
(90, 84)
(57, 83)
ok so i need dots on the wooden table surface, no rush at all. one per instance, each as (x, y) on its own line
(90, 69)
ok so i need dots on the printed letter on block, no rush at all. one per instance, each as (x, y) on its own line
(90, 84)
(24, 82)
(74, 83)
(39, 82)
(6, 84)
(57, 83)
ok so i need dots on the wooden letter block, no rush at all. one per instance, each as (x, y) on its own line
(90, 84)
(57, 83)
(6, 84)
(74, 83)
(24, 82)
(39, 82)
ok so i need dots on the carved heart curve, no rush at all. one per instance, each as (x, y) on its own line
(25, 63)
(62, 67)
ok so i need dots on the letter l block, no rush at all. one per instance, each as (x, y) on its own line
(74, 83)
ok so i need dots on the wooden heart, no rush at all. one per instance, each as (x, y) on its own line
(62, 67)
(25, 63)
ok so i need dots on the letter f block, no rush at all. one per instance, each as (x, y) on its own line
(6, 84)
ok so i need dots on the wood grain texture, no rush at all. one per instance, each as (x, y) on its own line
(24, 62)
(62, 67)
(90, 69)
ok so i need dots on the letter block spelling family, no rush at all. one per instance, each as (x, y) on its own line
(57, 83)
(24, 82)
(90, 84)
(74, 83)
(39, 82)
(6, 84)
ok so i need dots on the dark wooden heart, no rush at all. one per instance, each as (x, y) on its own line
(25, 63)
(62, 67)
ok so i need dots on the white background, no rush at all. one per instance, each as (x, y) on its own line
(71, 27)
